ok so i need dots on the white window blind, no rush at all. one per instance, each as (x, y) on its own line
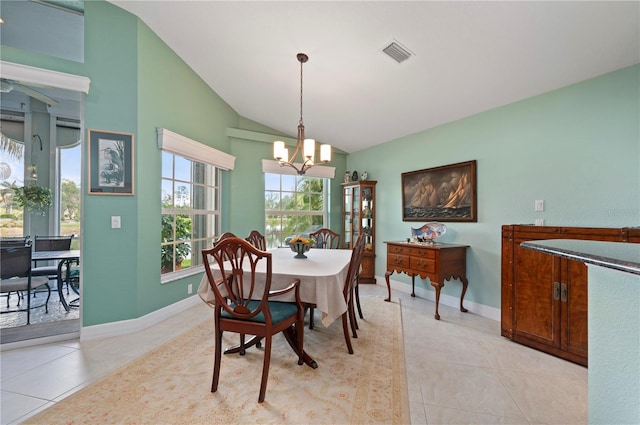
(196, 151)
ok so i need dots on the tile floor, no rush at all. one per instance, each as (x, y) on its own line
(459, 369)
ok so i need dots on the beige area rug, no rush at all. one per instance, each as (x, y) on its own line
(172, 384)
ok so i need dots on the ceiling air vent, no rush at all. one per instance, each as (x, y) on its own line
(397, 52)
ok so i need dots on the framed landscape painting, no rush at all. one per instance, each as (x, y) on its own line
(110, 163)
(445, 193)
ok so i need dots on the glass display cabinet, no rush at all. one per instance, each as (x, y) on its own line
(359, 216)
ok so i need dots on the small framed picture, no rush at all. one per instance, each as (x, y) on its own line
(110, 162)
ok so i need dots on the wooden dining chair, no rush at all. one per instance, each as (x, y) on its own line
(15, 276)
(349, 287)
(223, 236)
(244, 305)
(258, 240)
(326, 238)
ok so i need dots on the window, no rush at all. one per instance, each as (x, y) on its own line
(190, 211)
(293, 205)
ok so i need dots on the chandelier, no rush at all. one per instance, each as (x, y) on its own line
(306, 147)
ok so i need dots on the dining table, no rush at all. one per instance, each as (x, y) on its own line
(65, 259)
(322, 276)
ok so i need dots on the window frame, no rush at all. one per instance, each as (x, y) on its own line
(279, 235)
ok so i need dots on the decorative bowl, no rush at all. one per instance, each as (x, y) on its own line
(300, 246)
(428, 232)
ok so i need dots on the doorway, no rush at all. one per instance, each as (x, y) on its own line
(51, 157)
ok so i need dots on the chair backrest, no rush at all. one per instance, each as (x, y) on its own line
(53, 243)
(354, 266)
(247, 297)
(326, 238)
(225, 235)
(258, 240)
(15, 261)
(15, 241)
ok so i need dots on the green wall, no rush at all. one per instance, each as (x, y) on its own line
(138, 84)
(576, 148)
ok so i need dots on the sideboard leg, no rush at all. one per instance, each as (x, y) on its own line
(437, 286)
(465, 283)
(386, 277)
(413, 285)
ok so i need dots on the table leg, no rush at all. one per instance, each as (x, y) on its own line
(292, 338)
(254, 340)
(386, 277)
(60, 284)
(413, 285)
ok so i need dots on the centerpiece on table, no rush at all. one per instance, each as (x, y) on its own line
(300, 245)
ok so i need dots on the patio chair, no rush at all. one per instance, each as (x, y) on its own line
(11, 242)
(50, 243)
(16, 276)
(243, 303)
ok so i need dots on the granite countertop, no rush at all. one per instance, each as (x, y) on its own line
(620, 256)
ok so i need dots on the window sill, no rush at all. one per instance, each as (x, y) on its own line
(181, 274)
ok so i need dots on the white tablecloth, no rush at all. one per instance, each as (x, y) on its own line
(321, 275)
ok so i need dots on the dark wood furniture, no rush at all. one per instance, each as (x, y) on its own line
(437, 261)
(236, 311)
(359, 216)
(257, 239)
(326, 238)
(544, 297)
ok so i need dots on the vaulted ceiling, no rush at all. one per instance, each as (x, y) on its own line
(467, 57)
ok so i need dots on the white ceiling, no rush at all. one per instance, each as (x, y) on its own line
(469, 57)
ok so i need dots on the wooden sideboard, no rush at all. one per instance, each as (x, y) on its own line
(544, 297)
(437, 261)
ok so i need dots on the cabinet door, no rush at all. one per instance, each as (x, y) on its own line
(574, 308)
(536, 309)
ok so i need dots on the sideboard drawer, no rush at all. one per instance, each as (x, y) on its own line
(422, 264)
(396, 260)
(423, 253)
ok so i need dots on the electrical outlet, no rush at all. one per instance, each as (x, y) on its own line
(190, 288)
(539, 205)
(539, 222)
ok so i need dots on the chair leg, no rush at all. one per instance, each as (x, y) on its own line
(358, 302)
(216, 362)
(265, 368)
(352, 318)
(311, 317)
(345, 329)
(300, 335)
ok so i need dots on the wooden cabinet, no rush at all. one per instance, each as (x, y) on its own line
(359, 216)
(544, 297)
(437, 261)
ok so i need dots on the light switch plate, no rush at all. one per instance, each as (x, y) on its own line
(539, 206)
(115, 221)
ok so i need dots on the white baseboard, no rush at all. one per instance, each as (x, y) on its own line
(448, 300)
(125, 327)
